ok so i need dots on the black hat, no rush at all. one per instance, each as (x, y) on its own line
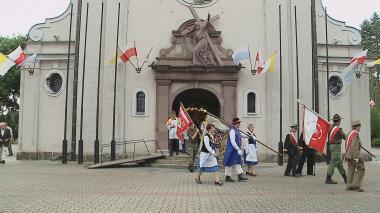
(337, 117)
(294, 126)
(236, 120)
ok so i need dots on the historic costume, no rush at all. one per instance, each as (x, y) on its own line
(193, 145)
(291, 145)
(251, 150)
(207, 159)
(307, 154)
(336, 136)
(233, 154)
(354, 159)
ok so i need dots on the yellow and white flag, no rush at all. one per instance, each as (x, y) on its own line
(269, 64)
(373, 63)
(5, 64)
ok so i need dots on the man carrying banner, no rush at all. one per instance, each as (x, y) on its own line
(354, 158)
(233, 153)
(291, 145)
(192, 149)
(336, 136)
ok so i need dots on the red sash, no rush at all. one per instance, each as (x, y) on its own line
(293, 138)
(350, 138)
(333, 133)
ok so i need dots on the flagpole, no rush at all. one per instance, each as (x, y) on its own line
(113, 142)
(80, 142)
(297, 70)
(249, 54)
(328, 152)
(137, 58)
(314, 112)
(64, 142)
(280, 144)
(229, 125)
(96, 142)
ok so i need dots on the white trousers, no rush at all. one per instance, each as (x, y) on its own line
(234, 169)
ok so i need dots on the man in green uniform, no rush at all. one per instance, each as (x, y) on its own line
(336, 135)
(193, 146)
(354, 159)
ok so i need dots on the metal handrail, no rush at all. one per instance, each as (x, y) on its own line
(134, 147)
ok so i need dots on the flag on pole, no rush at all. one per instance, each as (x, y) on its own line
(184, 122)
(372, 103)
(119, 53)
(18, 56)
(29, 61)
(220, 134)
(348, 72)
(128, 54)
(360, 57)
(315, 129)
(5, 64)
(269, 64)
(259, 62)
(373, 63)
(240, 55)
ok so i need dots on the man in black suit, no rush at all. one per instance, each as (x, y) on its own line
(291, 145)
(5, 137)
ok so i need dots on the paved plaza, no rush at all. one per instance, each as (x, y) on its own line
(46, 186)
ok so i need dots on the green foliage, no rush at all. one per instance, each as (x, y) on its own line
(371, 34)
(375, 123)
(375, 142)
(10, 84)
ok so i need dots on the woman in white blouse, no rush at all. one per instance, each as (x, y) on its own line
(207, 157)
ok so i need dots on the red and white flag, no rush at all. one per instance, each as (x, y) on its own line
(372, 103)
(18, 56)
(259, 62)
(315, 129)
(184, 122)
(128, 54)
(360, 57)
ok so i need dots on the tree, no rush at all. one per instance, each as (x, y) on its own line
(10, 84)
(371, 41)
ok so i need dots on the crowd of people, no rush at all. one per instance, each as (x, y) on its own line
(242, 148)
(6, 136)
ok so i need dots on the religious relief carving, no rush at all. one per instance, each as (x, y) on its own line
(198, 3)
(196, 43)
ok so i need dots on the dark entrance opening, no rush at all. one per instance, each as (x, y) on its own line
(199, 99)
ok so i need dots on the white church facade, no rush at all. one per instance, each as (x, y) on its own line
(144, 98)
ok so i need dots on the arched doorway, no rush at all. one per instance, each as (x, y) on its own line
(197, 98)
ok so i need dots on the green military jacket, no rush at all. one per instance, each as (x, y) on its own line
(353, 151)
(190, 133)
(339, 136)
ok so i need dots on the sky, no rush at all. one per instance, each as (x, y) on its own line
(21, 19)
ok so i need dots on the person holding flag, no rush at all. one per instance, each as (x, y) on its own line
(193, 145)
(336, 136)
(354, 159)
(233, 153)
(207, 157)
(291, 145)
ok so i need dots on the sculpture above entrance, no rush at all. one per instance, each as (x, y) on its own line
(196, 43)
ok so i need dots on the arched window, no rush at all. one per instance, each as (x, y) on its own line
(251, 103)
(140, 103)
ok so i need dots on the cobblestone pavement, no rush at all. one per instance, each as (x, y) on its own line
(45, 186)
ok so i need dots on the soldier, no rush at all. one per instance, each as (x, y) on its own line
(192, 149)
(336, 135)
(354, 158)
(293, 150)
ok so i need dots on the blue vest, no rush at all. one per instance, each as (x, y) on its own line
(231, 155)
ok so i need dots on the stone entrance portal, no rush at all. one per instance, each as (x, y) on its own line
(196, 85)
(197, 98)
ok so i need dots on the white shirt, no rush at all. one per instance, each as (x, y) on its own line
(2, 132)
(172, 127)
(206, 140)
(232, 138)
